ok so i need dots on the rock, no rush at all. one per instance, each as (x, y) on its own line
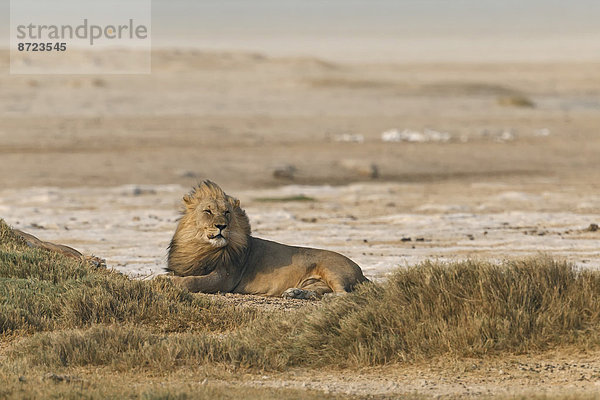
(542, 132)
(349, 138)
(98, 82)
(285, 172)
(505, 136)
(139, 191)
(187, 174)
(500, 136)
(363, 168)
(407, 135)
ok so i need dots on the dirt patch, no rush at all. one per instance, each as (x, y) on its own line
(549, 374)
(269, 304)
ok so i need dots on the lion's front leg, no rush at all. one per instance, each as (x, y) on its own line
(214, 282)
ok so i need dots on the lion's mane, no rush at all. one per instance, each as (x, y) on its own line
(190, 256)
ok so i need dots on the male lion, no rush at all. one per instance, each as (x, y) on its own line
(212, 251)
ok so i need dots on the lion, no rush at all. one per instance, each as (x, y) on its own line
(213, 251)
(66, 251)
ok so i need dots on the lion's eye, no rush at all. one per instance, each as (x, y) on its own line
(208, 212)
(227, 213)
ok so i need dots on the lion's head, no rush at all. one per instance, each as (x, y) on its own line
(213, 229)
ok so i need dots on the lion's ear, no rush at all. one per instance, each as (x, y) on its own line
(235, 203)
(188, 201)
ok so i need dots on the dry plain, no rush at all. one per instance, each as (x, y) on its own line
(100, 163)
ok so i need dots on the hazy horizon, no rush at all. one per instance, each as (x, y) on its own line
(382, 30)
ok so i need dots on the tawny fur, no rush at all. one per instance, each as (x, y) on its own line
(212, 251)
(189, 256)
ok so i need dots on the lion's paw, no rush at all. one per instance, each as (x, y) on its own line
(96, 262)
(296, 293)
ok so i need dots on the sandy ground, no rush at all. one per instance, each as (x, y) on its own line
(551, 375)
(379, 225)
(512, 168)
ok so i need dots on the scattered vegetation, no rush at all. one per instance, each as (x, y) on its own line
(58, 315)
(516, 100)
(350, 83)
(299, 197)
(52, 386)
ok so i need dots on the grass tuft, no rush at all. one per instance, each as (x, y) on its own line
(42, 291)
(467, 309)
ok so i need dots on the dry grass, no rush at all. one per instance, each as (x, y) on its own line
(90, 318)
(462, 309)
(43, 291)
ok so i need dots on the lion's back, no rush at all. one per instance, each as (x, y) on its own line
(273, 267)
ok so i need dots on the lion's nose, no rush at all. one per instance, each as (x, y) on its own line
(221, 227)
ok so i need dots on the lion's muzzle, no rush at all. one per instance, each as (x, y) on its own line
(221, 232)
(219, 239)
